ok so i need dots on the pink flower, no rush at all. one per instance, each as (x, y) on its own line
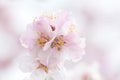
(52, 39)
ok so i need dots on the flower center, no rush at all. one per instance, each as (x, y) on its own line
(42, 66)
(58, 42)
(43, 39)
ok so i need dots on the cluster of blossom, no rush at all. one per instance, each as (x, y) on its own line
(51, 40)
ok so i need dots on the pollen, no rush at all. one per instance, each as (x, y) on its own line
(44, 67)
(48, 16)
(43, 39)
(58, 42)
(71, 28)
(61, 42)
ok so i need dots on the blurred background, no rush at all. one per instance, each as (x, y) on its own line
(98, 22)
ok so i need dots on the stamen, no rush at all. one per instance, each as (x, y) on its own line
(61, 42)
(71, 28)
(42, 66)
(43, 39)
(48, 16)
(58, 42)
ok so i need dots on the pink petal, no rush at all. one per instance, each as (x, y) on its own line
(29, 37)
(61, 18)
(74, 47)
(43, 26)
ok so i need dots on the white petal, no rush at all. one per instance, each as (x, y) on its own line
(38, 75)
(27, 63)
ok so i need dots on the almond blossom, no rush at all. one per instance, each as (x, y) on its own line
(51, 39)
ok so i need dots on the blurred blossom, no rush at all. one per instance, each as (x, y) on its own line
(85, 71)
(9, 41)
